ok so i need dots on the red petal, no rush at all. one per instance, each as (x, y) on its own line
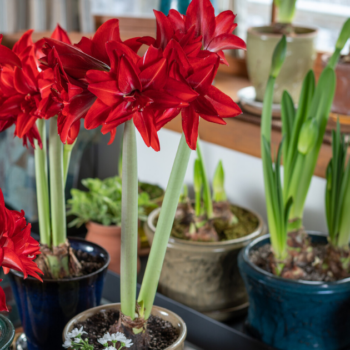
(107, 91)
(151, 56)
(224, 23)
(24, 124)
(226, 42)
(75, 62)
(9, 58)
(201, 14)
(3, 306)
(224, 105)
(11, 106)
(85, 45)
(190, 121)
(144, 123)
(166, 117)
(165, 30)
(23, 43)
(147, 40)
(128, 80)
(117, 49)
(12, 261)
(223, 60)
(23, 83)
(216, 120)
(154, 76)
(61, 35)
(202, 106)
(163, 100)
(97, 115)
(133, 43)
(109, 31)
(202, 79)
(180, 90)
(177, 20)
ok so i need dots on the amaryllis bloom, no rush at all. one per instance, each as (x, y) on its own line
(65, 67)
(199, 31)
(135, 88)
(18, 249)
(20, 98)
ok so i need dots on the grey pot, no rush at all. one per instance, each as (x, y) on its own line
(204, 275)
(301, 54)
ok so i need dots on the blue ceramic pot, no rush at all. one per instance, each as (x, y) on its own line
(45, 308)
(295, 315)
(7, 333)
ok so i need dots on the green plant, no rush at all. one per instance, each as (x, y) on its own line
(338, 192)
(286, 10)
(102, 202)
(303, 130)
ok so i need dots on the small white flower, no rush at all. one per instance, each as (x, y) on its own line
(110, 348)
(118, 337)
(77, 340)
(127, 343)
(67, 344)
(75, 333)
(105, 339)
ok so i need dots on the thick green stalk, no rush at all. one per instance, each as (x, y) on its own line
(164, 226)
(128, 261)
(42, 186)
(208, 202)
(67, 152)
(197, 186)
(58, 205)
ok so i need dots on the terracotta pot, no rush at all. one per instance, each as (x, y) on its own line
(341, 102)
(165, 314)
(108, 237)
(301, 54)
(204, 275)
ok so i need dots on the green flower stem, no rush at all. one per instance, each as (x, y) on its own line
(67, 152)
(208, 202)
(128, 267)
(164, 225)
(286, 10)
(42, 187)
(58, 205)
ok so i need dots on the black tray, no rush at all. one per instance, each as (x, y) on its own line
(203, 331)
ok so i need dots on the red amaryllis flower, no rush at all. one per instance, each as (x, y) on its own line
(69, 65)
(135, 88)
(198, 30)
(18, 249)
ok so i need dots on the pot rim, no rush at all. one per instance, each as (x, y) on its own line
(72, 279)
(285, 281)
(312, 33)
(10, 334)
(179, 340)
(257, 232)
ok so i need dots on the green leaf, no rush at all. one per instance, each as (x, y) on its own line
(278, 57)
(219, 183)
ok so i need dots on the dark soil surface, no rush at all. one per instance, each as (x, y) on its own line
(88, 262)
(247, 223)
(317, 263)
(161, 333)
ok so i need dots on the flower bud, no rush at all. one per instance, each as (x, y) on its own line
(197, 176)
(344, 35)
(308, 136)
(278, 57)
(219, 183)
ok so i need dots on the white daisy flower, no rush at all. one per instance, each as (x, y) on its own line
(105, 339)
(77, 340)
(110, 348)
(128, 343)
(67, 344)
(118, 337)
(75, 333)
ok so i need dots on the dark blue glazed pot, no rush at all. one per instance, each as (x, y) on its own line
(45, 308)
(7, 333)
(295, 315)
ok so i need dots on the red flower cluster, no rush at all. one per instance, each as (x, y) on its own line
(105, 81)
(18, 249)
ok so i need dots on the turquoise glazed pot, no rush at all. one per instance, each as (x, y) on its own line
(290, 315)
(7, 333)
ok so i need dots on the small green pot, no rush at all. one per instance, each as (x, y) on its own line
(7, 333)
(301, 53)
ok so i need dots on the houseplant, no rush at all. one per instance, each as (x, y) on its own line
(341, 102)
(200, 268)
(18, 251)
(29, 97)
(295, 298)
(100, 210)
(173, 76)
(261, 42)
